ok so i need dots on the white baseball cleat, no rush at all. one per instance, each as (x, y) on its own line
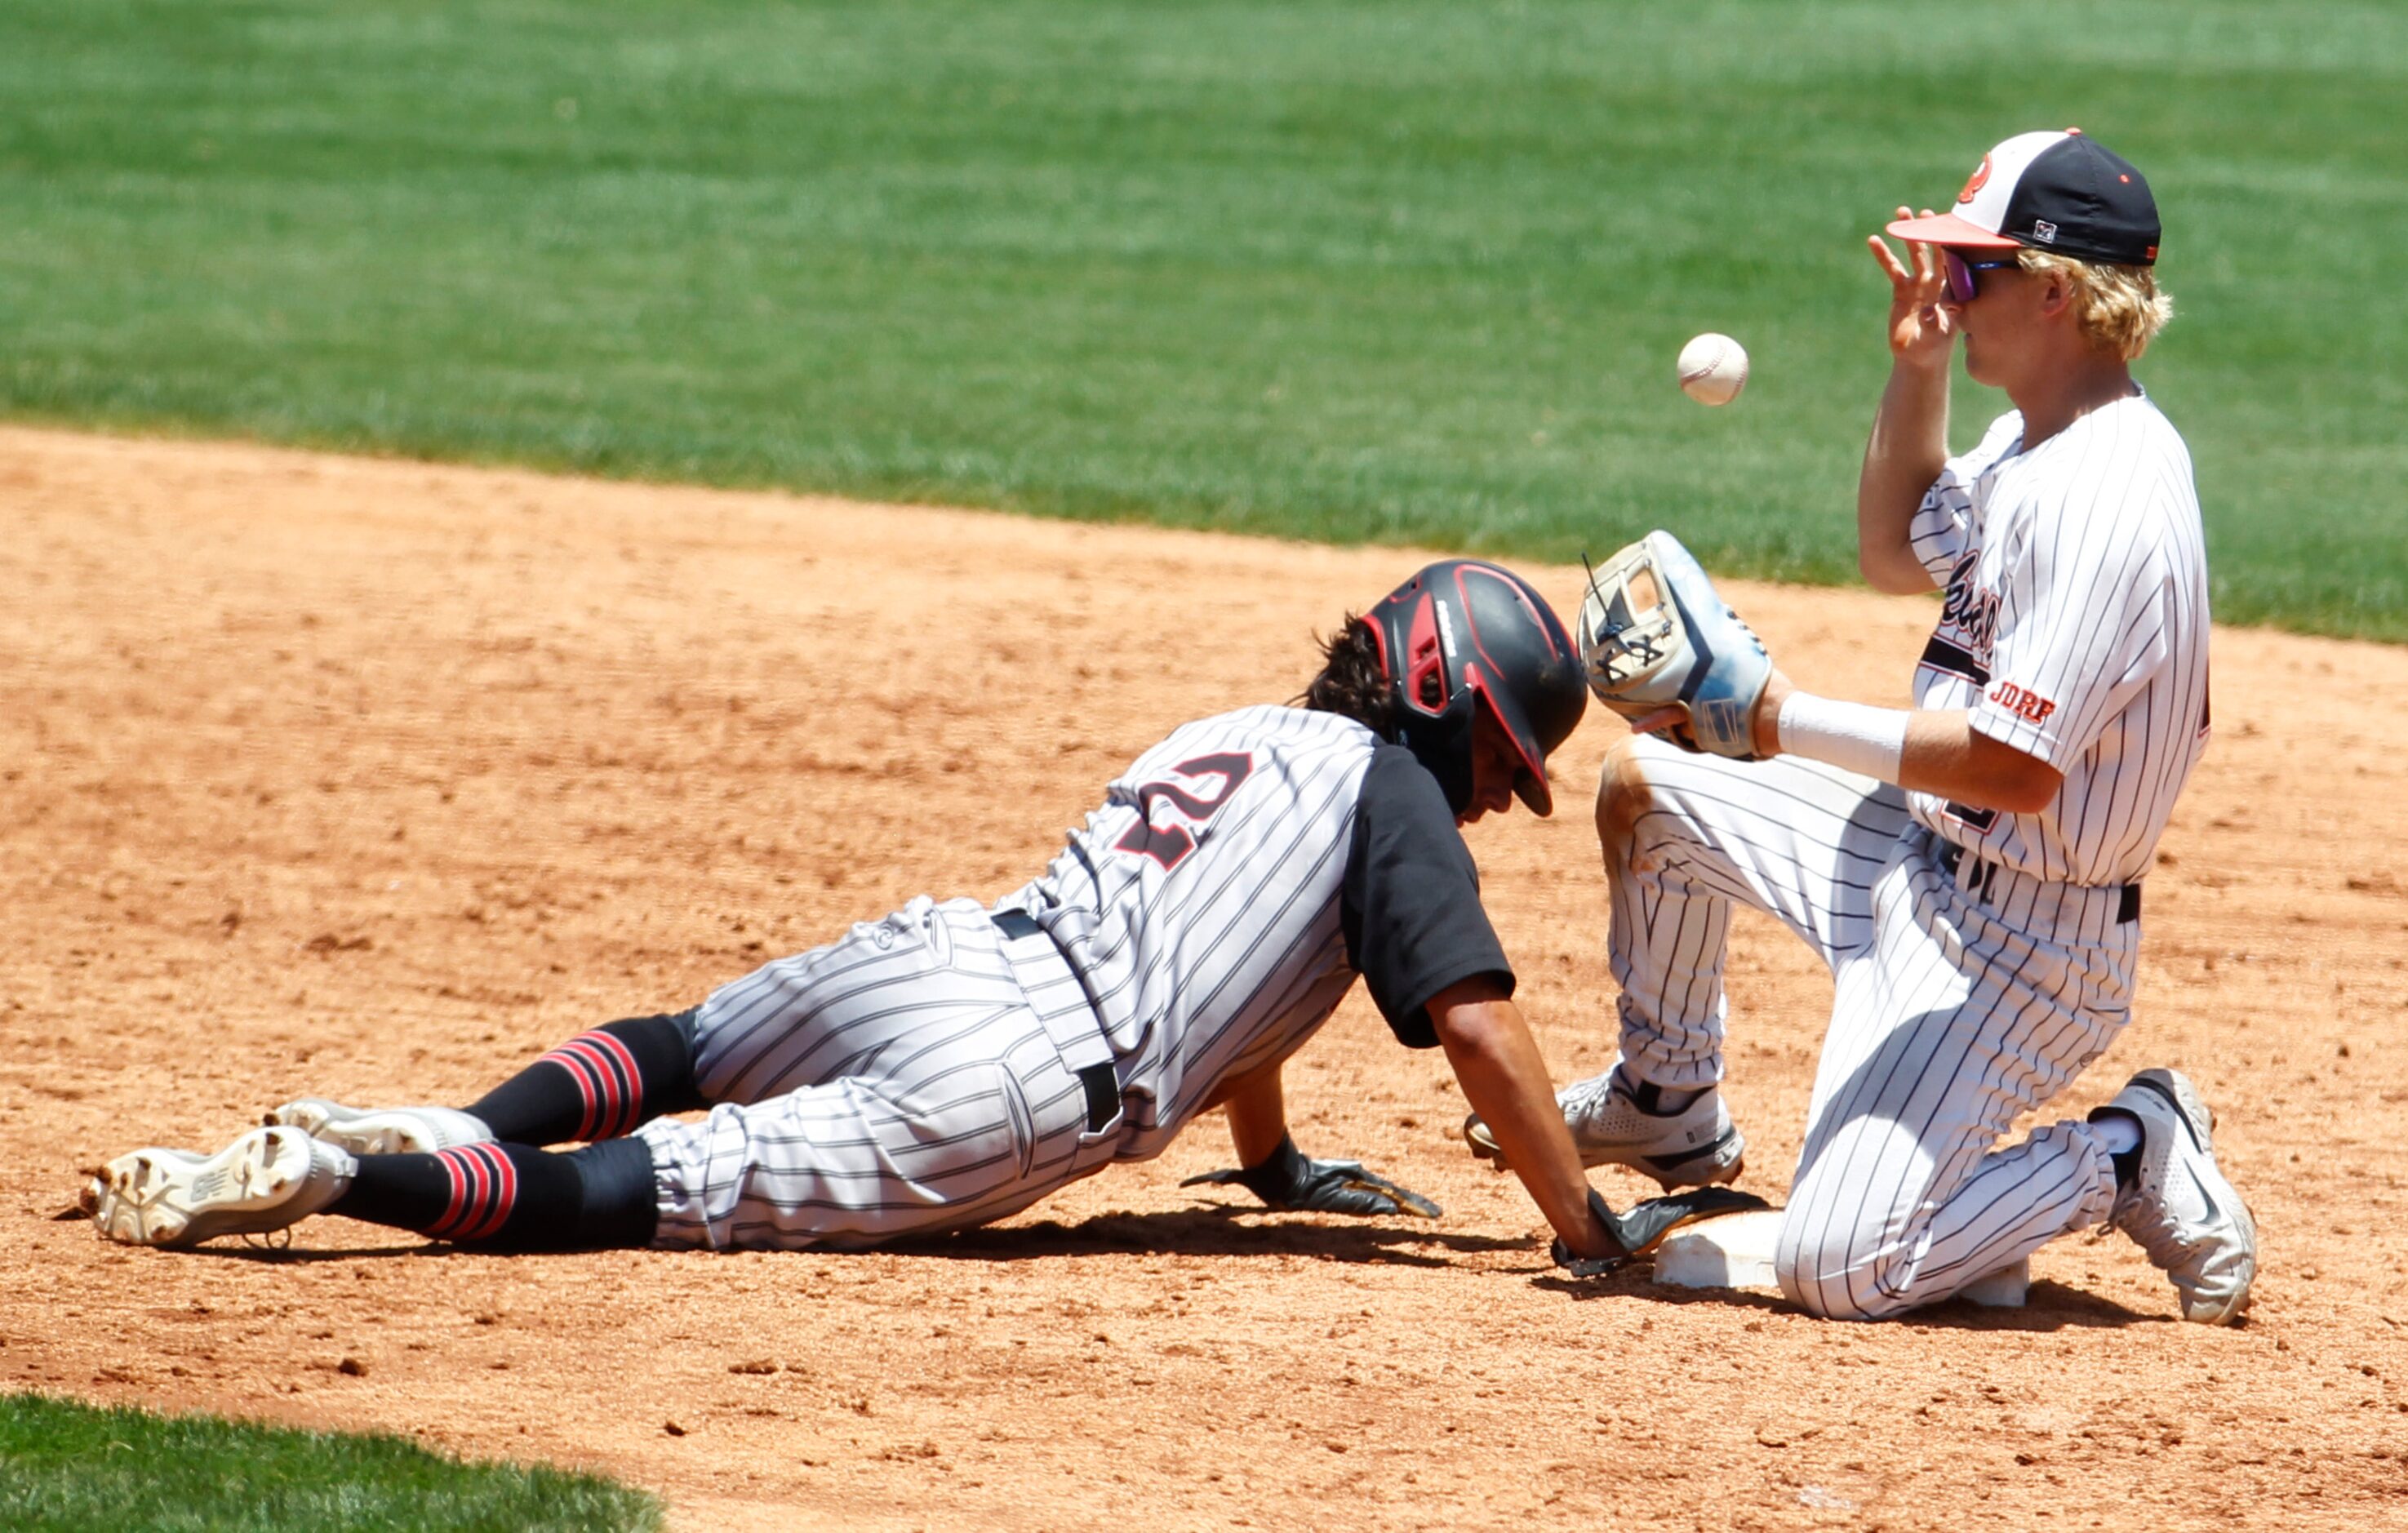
(1696, 1147)
(263, 1182)
(2180, 1207)
(381, 1130)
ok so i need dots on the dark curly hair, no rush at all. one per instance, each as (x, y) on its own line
(1353, 683)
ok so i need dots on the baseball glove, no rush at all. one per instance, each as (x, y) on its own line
(1656, 636)
(1289, 1180)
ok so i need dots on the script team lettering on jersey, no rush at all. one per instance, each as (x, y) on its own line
(2074, 628)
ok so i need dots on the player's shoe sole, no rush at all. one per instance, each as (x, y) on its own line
(2180, 1207)
(379, 1130)
(1696, 1147)
(263, 1182)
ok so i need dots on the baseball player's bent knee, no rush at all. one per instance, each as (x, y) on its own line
(1845, 1251)
(1833, 1278)
(1623, 795)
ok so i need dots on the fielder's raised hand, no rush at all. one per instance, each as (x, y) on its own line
(1290, 1180)
(1922, 327)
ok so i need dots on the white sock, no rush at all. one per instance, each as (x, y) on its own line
(2120, 1131)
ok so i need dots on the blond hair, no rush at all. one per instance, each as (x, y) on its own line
(2119, 307)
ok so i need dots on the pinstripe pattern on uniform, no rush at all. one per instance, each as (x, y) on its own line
(2076, 574)
(1232, 957)
(1954, 1025)
(910, 1077)
(1951, 1017)
(895, 1081)
(1799, 839)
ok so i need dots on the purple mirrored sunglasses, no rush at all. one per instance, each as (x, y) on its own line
(1960, 272)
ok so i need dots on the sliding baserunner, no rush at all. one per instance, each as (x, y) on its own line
(953, 1062)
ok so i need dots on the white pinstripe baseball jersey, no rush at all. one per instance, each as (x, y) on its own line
(2075, 630)
(1200, 904)
(930, 1071)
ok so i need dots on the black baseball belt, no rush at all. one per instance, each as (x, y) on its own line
(1979, 876)
(1101, 1085)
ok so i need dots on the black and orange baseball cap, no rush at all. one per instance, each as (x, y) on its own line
(2055, 192)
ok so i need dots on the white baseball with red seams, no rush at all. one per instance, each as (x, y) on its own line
(1713, 368)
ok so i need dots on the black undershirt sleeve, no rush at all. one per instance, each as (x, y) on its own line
(1410, 901)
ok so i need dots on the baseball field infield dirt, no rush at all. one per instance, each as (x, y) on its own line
(376, 779)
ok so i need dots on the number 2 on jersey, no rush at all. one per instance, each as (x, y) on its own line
(1169, 844)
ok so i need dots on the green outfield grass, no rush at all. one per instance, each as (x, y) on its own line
(78, 1467)
(1403, 270)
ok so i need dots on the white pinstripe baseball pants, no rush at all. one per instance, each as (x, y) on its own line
(895, 1082)
(1950, 1016)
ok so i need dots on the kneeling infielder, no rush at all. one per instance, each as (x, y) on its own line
(1970, 869)
(952, 1064)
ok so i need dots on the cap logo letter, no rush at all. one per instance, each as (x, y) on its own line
(1974, 182)
(2043, 231)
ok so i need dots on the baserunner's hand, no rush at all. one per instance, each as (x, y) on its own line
(1289, 1180)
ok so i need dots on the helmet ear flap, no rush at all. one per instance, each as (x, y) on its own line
(1442, 743)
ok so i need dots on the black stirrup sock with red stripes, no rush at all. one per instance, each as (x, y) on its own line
(509, 1198)
(598, 1085)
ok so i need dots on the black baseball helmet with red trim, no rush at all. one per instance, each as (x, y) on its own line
(1464, 637)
